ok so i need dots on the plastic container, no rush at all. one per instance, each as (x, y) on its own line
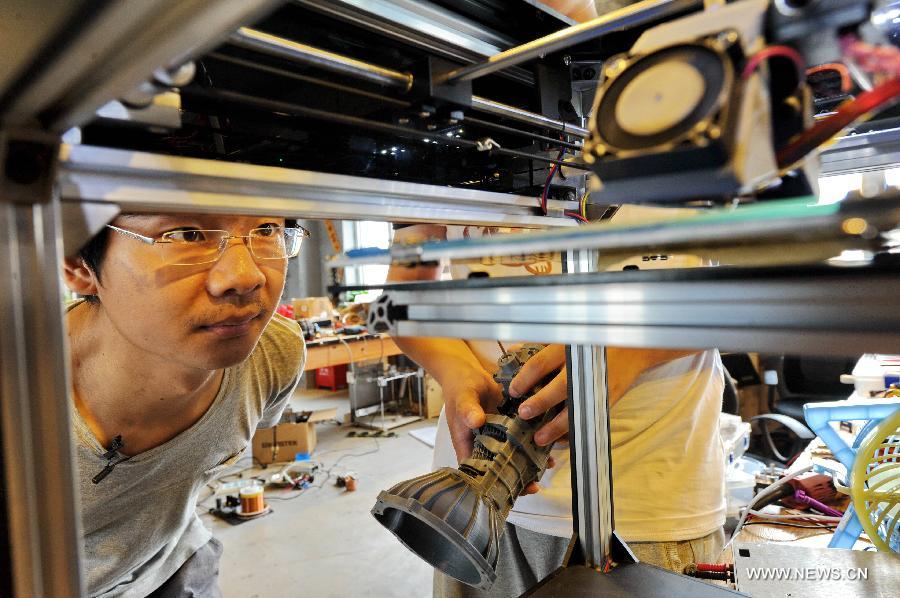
(332, 377)
(738, 490)
(735, 436)
(874, 373)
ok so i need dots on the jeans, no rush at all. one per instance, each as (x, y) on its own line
(527, 557)
(198, 577)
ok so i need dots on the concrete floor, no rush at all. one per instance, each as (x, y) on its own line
(325, 542)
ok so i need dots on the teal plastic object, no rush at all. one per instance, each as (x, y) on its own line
(818, 417)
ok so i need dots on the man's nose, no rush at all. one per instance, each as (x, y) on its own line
(236, 272)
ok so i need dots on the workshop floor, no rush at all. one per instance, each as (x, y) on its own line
(325, 542)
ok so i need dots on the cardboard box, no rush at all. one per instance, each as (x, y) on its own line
(434, 397)
(285, 441)
(313, 307)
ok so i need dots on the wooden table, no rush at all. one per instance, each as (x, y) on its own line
(331, 351)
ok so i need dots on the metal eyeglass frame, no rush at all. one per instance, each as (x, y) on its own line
(223, 242)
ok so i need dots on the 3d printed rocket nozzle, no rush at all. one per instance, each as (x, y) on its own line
(453, 518)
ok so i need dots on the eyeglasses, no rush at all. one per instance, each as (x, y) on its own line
(192, 247)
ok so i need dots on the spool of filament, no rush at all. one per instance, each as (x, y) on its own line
(252, 502)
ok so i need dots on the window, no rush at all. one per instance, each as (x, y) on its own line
(833, 189)
(364, 234)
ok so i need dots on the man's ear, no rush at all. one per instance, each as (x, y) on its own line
(79, 277)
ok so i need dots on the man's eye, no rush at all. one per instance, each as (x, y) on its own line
(186, 236)
(268, 230)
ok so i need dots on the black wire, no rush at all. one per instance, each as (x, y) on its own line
(326, 474)
(553, 170)
(324, 477)
(298, 495)
(342, 450)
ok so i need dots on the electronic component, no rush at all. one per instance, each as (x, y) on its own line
(689, 113)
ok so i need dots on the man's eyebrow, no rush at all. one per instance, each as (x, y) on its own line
(154, 218)
(142, 217)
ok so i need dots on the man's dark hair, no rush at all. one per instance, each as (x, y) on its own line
(92, 254)
(95, 250)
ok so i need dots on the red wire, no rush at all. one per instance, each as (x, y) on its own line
(576, 216)
(848, 112)
(722, 568)
(786, 51)
(846, 81)
(550, 176)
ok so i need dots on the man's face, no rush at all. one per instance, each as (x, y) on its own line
(207, 316)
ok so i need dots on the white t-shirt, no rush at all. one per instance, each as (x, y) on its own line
(667, 465)
(668, 471)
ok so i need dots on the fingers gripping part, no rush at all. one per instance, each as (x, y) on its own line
(453, 518)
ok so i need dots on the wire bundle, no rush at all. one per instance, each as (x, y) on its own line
(581, 215)
(802, 144)
(878, 60)
(763, 494)
(714, 571)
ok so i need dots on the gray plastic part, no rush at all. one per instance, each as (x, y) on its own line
(454, 518)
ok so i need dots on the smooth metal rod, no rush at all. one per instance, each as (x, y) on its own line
(513, 113)
(624, 18)
(251, 39)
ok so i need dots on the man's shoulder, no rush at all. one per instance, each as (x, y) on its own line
(281, 345)
(281, 328)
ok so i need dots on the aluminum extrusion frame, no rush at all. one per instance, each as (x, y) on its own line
(140, 181)
(103, 50)
(590, 449)
(810, 310)
(44, 525)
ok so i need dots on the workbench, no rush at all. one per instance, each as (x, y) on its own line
(339, 350)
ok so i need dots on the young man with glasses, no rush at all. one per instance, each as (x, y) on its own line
(176, 358)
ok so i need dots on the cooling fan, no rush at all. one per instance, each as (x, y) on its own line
(677, 96)
(680, 116)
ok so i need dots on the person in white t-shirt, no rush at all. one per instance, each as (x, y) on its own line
(667, 463)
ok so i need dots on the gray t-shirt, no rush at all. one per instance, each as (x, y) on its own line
(140, 522)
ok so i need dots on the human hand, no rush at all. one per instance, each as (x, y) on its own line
(550, 359)
(468, 393)
(472, 391)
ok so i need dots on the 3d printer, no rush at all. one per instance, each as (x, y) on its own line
(450, 111)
